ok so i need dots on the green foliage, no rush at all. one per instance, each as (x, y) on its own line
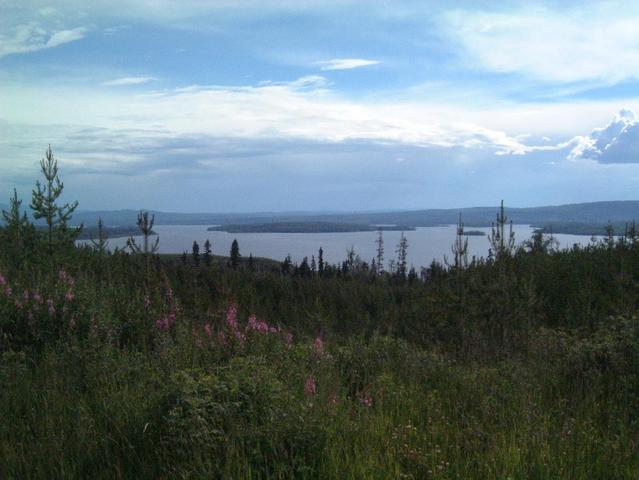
(59, 234)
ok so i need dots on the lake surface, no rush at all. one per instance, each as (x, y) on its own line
(424, 244)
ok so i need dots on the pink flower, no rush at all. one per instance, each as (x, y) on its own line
(288, 339)
(8, 291)
(162, 323)
(222, 337)
(3, 281)
(25, 295)
(51, 310)
(207, 330)
(147, 303)
(37, 297)
(310, 387)
(231, 317)
(68, 297)
(318, 345)
(366, 400)
(72, 322)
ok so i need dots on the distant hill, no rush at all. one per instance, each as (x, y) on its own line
(596, 213)
(572, 218)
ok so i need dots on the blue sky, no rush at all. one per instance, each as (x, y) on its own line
(321, 105)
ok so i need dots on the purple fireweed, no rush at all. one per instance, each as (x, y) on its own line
(288, 339)
(231, 317)
(3, 281)
(147, 303)
(208, 330)
(318, 345)
(310, 387)
(68, 297)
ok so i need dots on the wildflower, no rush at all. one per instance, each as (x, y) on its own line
(72, 322)
(222, 337)
(68, 297)
(37, 297)
(319, 345)
(207, 330)
(310, 387)
(8, 291)
(147, 302)
(3, 281)
(366, 400)
(51, 307)
(288, 339)
(25, 295)
(231, 317)
(162, 323)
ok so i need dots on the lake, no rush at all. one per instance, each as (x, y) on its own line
(424, 243)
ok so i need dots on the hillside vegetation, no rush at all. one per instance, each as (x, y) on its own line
(126, 364)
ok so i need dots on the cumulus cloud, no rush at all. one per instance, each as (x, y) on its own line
(124, 81)
(31, 37)
(587, 45)
(345, 63)
(617, 142)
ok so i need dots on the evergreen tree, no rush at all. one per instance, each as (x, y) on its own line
(412, 275)
(185, 258)
(380, 252)
(18, 230)
(195, 253)
(304, 270)
(320, 262)
(402, 255)
(206, 257)
(251, 265)
(460, 247)
(235, 254)
(145, 225)
(502, 244)
(313, 265)
(44, 205)
(286, 264)
(100, 244)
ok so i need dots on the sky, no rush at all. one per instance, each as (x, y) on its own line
(321, 105)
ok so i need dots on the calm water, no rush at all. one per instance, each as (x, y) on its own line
(424, 244)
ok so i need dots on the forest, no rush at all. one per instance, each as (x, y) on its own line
(129, 364)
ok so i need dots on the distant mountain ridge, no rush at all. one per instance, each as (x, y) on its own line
(596, 213)
(570, 217)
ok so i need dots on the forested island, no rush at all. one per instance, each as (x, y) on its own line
(130, 364)
(306, 227)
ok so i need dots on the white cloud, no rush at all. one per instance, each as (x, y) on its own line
(345, 63)
(124, 81)
(31, 37)
(598, 44)
(617, 142)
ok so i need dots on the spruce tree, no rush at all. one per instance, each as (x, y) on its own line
(235, 254)
(402, 256)
(380, 252)
(100, 244)
(320, 262)
(145, 225)
(18, 230)
(502, 244)
(44, 203)
(195, 252)
(206, 256)
(460, 247)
